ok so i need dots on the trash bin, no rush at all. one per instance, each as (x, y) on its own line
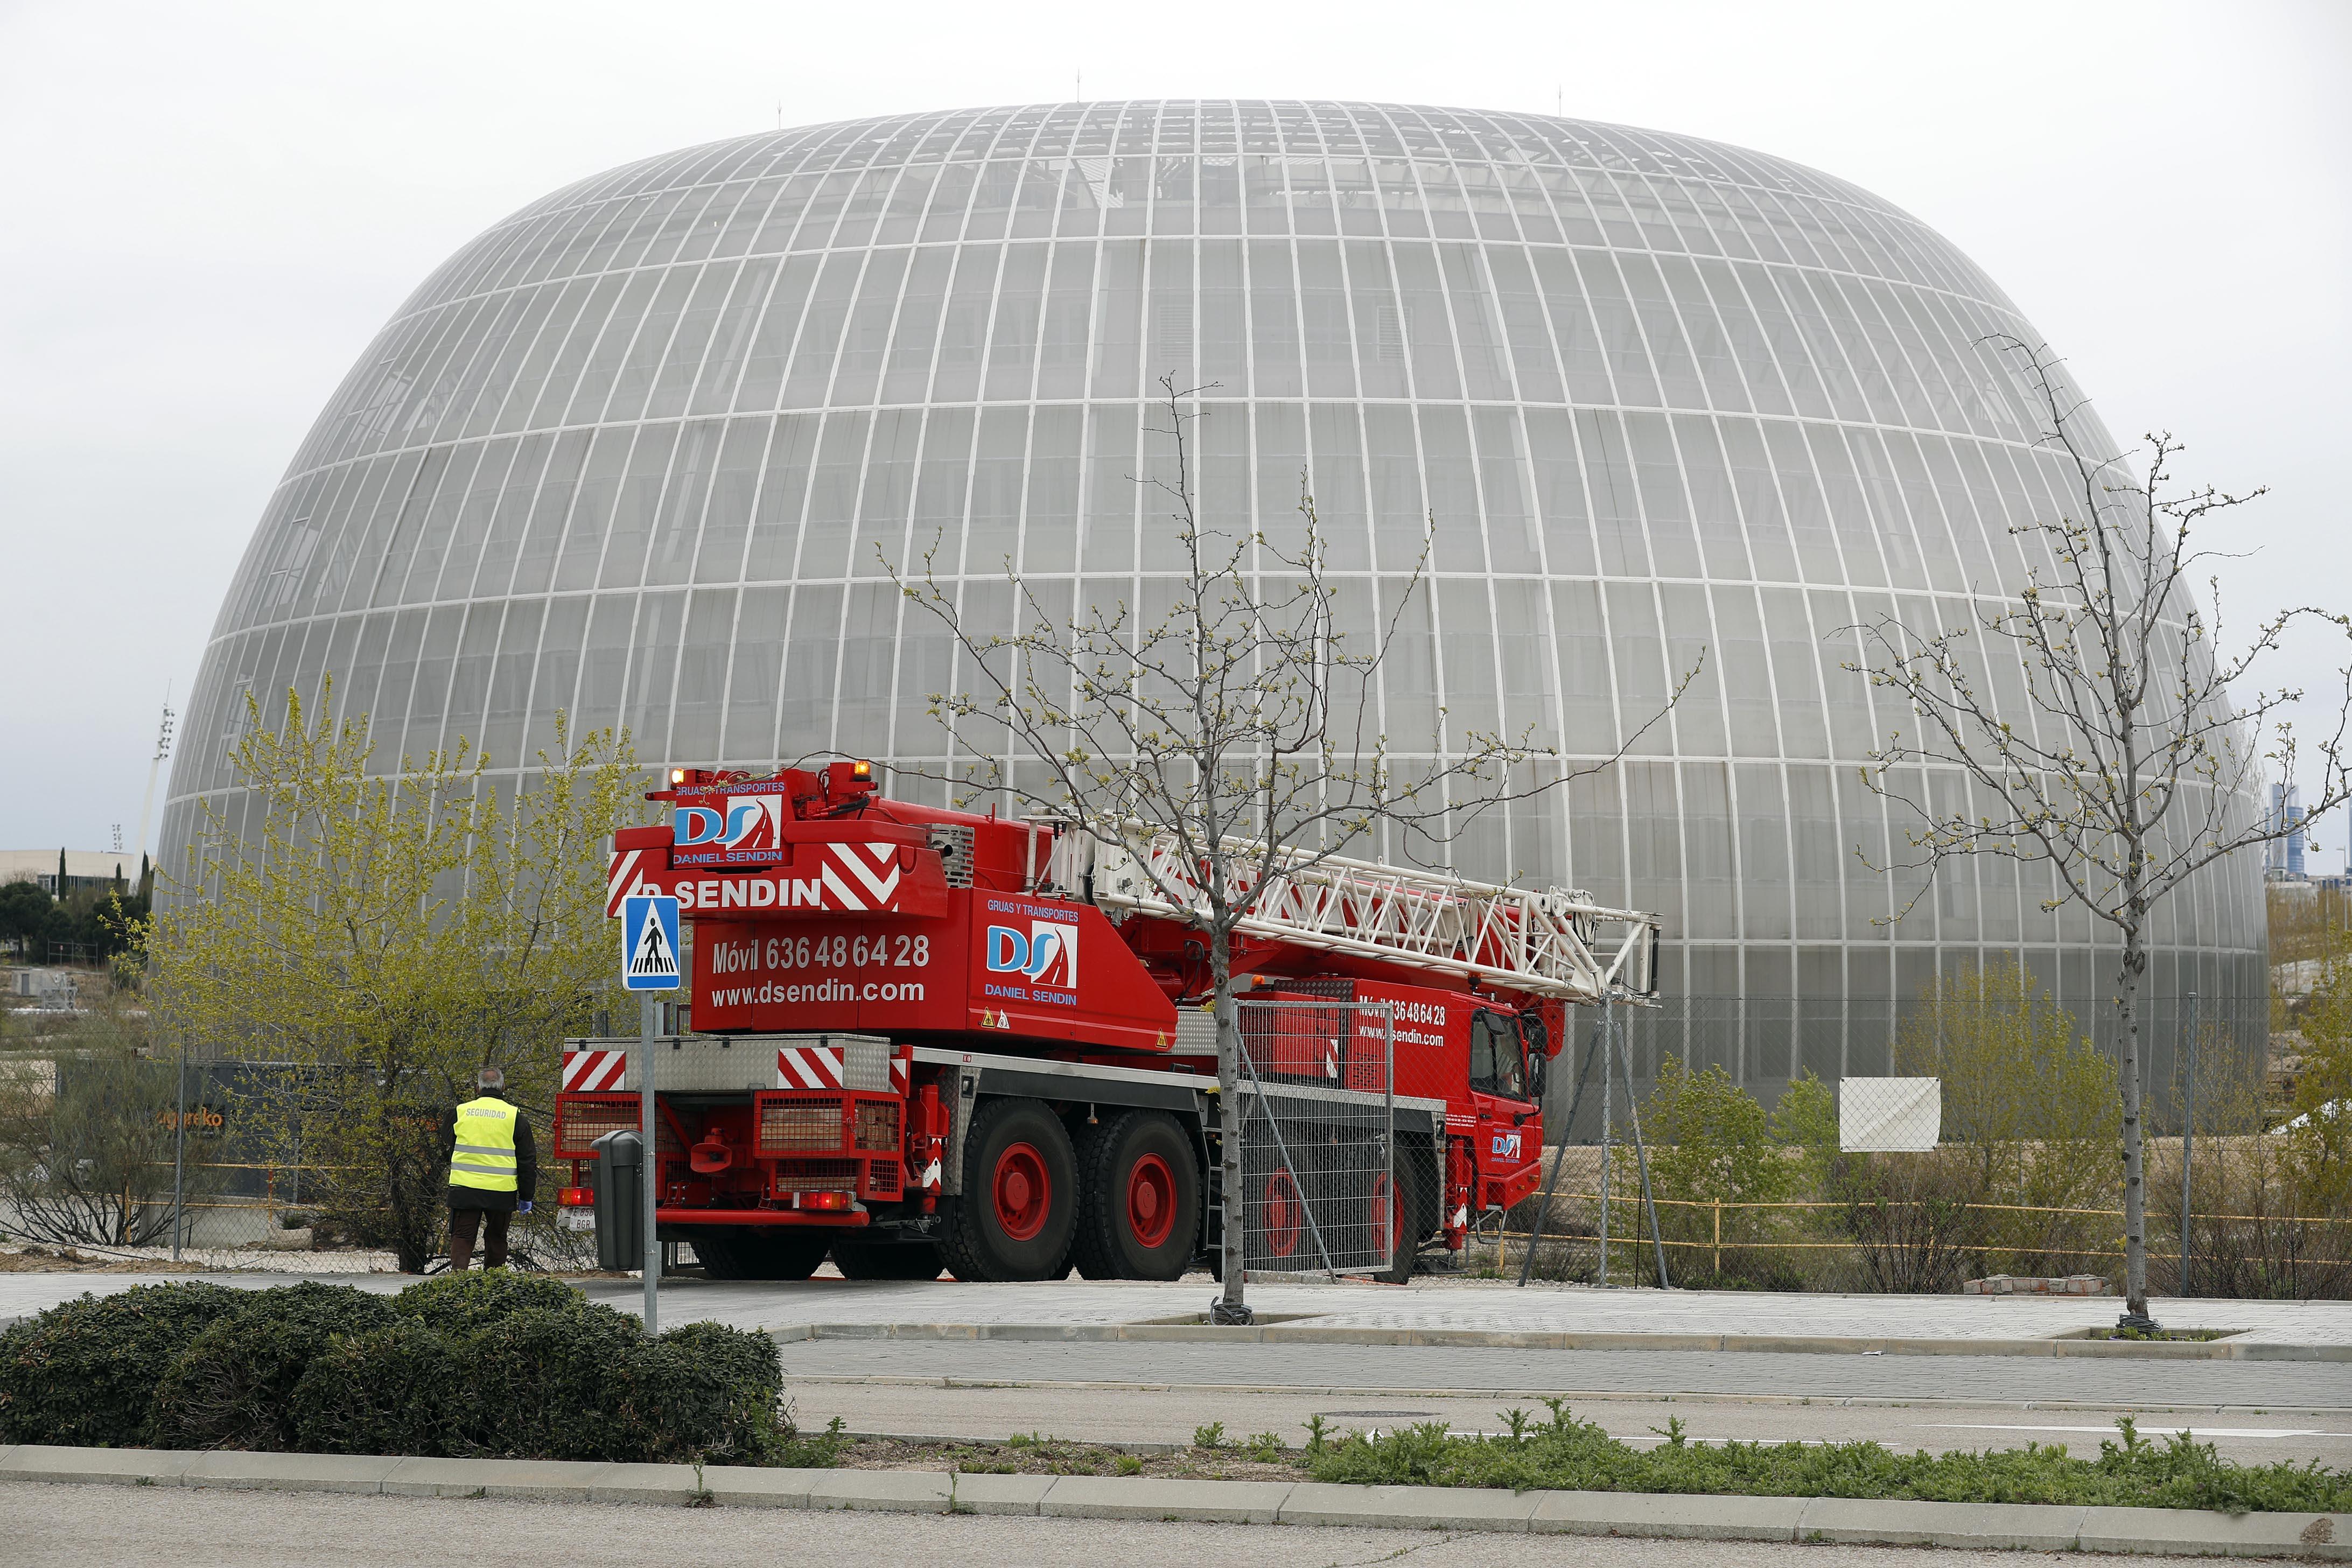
(620, 1202)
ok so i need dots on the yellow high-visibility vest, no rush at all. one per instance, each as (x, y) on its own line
(485, 1154)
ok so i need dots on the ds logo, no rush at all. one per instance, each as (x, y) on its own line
(743, 826)
(1507, 1146)
(1047, 952)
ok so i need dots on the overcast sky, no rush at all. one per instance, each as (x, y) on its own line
(211, 209)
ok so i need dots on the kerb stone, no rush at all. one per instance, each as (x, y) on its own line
(124, 1466)
(1001, 1494)
(539, 1480)
(1896, 1522)
(290, 1472)
(1665, 1514)
(1151, 1496)
(891, 1491)
(2195, 1532)
(1408, 1507)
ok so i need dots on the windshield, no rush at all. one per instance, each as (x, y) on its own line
(1498, 1059)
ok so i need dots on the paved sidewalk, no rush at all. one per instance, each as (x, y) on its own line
(1483, 1306)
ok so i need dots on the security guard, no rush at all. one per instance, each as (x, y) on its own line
(493, 1169)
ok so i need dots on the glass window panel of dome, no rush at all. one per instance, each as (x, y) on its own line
(785, 219)
(1276, 368)
(866, 335)
(470, 671)
(1013, 331)
(995, 189)
(600, 369)
(1223, 318)
(1336, 444)
(915, 338)
(1421, 323)
(669, 352)
(754, 679)
(551, 507)
(1871, 878)
(1785, 348)
(476, 506)
(554, 676)
(1686, 295)
(677, 532)
(555, 326)
(1940, 474)
(428, 696)
(1119, 333)
(1596, 836)
(1746, 338)
(999, 471)
(818, 341)
(1455, 538)
(1814, 304)
(1796, 659)
(1168, 350)
(702, 663)
(653, 670)
(580, 332)
(327, 579)
(1714, 499)
(749, 215)
(1799, 488)
(821, 208)
(1265, 193)
(638, 515)
(1610, 487)
(899, 197)
(1514, 544)
(1661, 330)
(1765, 868)
(1063, 336)
(1691, 642)
(1638, 655)
(1112, 488)
(730, 338)
(1467, 648)
(1478, 323)
(1854, 733)
(869, 654)
(439, 360)
(501, 367)
(1401, 511)
(1560, 497)
(1739, 666)
(884, 508)
(833, 488)
(1575, 330)
(1380, 322)
(1816, 851)
(1525, 328)
(653, 235)
(1528, 653)
(1408, 668)
(1653, 823)
(1220, 439)
(1324, 306)
(1666, 507)
(406, 523)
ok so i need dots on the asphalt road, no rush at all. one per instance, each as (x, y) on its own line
(1171, 1415)
(126, 1527)
(1520, 1375)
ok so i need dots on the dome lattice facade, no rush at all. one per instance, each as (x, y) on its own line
(638, 452)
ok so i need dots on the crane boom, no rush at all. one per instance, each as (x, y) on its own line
(1555, 943)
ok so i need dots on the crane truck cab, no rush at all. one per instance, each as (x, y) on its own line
(926, 1039)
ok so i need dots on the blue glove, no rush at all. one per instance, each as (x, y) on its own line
(524, 1207)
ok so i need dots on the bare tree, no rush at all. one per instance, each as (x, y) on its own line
(2139, 752)
(1239, 728)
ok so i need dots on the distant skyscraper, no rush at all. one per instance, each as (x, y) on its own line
(2283, 857)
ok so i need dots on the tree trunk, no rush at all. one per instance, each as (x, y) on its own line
(1231, 1308)
(2135, 969)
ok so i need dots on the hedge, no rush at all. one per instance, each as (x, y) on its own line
(478, 1365)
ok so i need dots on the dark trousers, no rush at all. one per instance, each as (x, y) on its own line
(491, 1223)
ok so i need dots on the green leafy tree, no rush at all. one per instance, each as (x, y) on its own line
(25, 912)
(1712, 1143)
(391, 935)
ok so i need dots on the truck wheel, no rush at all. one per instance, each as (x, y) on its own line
(1139, 1203)
(741, 1253)
(1019, 1196)
(1405, 1203)
(886, 1259)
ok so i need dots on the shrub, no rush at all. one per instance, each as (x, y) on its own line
(85, 1372)
(465, 1303)
(401, 1389)
(231, 1387)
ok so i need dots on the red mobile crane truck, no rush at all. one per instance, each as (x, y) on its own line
(926, 1037)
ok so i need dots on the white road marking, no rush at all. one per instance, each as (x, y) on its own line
(2167, 1430)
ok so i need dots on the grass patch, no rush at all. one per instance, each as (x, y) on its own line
(1564, 1453)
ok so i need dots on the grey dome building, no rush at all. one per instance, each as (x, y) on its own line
(631, 453)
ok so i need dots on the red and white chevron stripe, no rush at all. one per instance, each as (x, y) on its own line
(808, 1067)
(585, 1072)
(624, 873)
(819, 1067)
(860, 876)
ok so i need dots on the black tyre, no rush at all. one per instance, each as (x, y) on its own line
(1408, 1207)
(1019, 1196)
(1139, 1199)
(742, 1253)
(886, 1259)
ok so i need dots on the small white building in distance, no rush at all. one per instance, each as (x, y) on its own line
(90, 869)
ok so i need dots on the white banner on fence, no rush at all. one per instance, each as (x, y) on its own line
(1889, 1115)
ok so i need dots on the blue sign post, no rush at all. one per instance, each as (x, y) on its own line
(649, 963)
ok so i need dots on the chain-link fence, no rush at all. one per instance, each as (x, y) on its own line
(1764, 1042)
(1319, 1179)
(110, 1154)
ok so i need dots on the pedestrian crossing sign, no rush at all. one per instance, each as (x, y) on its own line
(650, 942)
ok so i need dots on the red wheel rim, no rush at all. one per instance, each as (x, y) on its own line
(1280, 1215)
(1023, 1191)
(1388, 1215)
(1150, 1201)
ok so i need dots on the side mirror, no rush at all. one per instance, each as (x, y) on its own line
(1538, 1071)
